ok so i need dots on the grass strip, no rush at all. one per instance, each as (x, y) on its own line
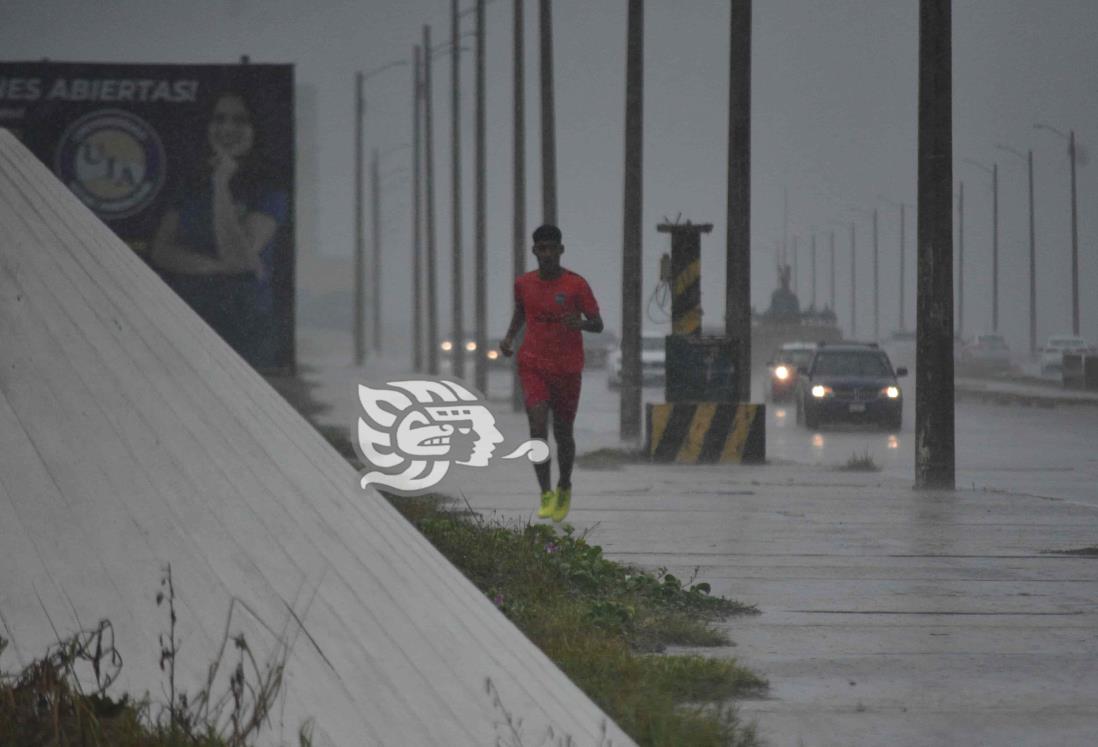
(603, 622)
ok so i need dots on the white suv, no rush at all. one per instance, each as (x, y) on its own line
(1052, 354)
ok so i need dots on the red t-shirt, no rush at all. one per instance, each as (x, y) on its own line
(549, 345)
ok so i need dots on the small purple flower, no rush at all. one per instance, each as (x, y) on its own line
(498, 600)
(551, 548)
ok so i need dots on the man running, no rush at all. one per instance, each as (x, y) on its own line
(549, 301)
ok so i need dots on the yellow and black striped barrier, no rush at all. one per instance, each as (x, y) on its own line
(706, 432)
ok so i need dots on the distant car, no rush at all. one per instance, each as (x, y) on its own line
(987, 353)
(1052, 354)
(491, 351)
(653, 361)
(850, 382)
(597, 347)
(782, 371)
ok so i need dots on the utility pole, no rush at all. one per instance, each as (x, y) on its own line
(375, 240)
(631, 284)
(737, 300)
(934, 409)
(432, 262)
(417, 246)
(518, 183)
(480, 367)
(457, 296)
(548, 116)
(359, 322)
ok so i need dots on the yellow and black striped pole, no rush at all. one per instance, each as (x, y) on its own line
(686, 314)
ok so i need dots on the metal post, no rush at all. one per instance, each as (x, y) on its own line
(995, 247)
(961, 263)
(1032, 262)
(876, 283)
(796, 269)
(853, 284)
(457, 296)
(359, 322)
(813, 306)
(518, 183)
(432, 260)
(480, 367)
(934, 410)
(1074, 241)
(903, 252)
(548, 116)
(631, 284)
(417, 246)
(375, 240)
(738, 265)
(832, 272)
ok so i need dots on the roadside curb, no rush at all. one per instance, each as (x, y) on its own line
(1029, 399)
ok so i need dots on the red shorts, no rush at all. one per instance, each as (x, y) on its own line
(561, 391)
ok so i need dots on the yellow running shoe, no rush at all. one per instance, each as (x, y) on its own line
(564, 502)
(548, 504)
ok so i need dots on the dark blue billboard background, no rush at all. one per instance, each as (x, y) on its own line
(192, 166)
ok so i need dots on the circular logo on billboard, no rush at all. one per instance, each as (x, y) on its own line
(113, 161)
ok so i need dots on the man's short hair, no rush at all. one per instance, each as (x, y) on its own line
(547, 233)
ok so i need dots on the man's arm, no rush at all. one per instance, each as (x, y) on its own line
(592, 323)
(506, 345)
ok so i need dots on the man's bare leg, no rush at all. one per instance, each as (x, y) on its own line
(538, 415)
(566, 450)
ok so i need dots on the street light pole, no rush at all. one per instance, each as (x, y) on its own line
(431, 261)
(813, 305)
(1028, 158)
(993, 170)
(903, 253)
(518, 182)
(1072, 154)
(417, 247)
(480, 367)
(457, 296)
(853, 284)
(548, 115)
(961, 262)
(832, 242)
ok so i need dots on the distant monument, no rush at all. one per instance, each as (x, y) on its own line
(784, 306)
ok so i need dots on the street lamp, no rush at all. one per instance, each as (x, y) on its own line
(903, 251)
(375, 221)
(993, 171)
(359, 327)
(876, 282)
(1072, 157)
(1028, 158)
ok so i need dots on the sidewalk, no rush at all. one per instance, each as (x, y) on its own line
(888, 617)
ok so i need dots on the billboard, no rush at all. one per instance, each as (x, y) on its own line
(192, 166)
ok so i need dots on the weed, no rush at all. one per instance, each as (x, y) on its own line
(600, 621)
(609, 458)
(860, 463)
(47, 701)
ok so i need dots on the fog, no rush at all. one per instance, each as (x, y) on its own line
(834, 95)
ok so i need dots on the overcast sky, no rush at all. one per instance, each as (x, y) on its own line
(834, 123)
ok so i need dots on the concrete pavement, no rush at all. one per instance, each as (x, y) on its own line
(888, 616)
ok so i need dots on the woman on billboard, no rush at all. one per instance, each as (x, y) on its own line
(215, 242)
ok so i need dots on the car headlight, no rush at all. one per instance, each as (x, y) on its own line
(446, 346)
(820, 391)
(493, 355)
(471, 346)
(892, 392)
(781, 372)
